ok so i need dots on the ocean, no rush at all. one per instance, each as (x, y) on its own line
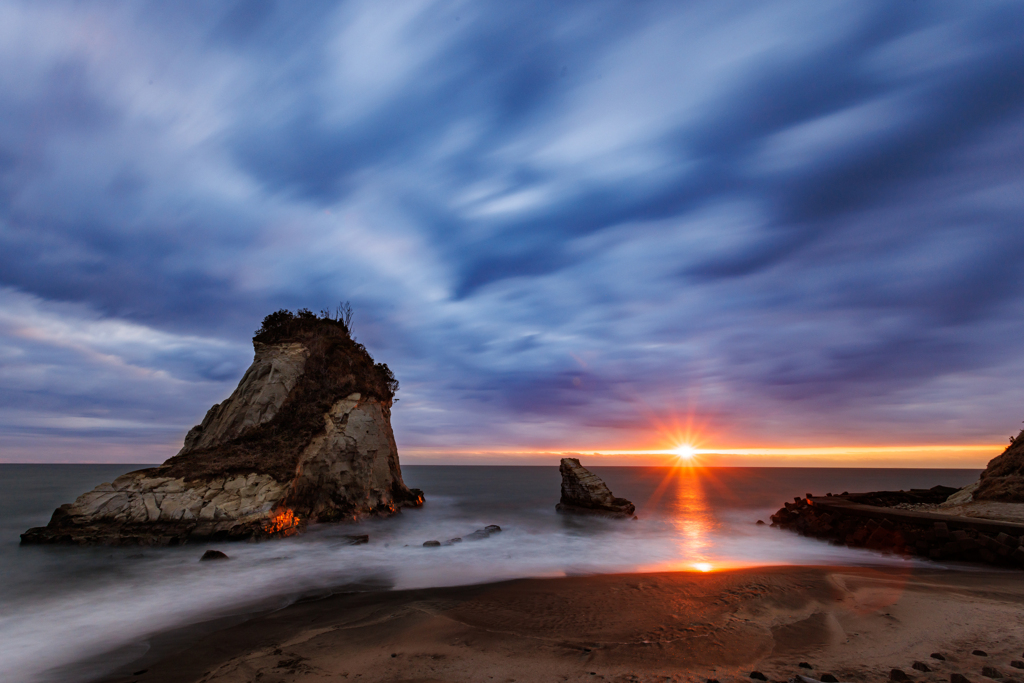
(77, 614)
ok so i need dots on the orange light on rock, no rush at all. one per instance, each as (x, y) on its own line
(284, 523)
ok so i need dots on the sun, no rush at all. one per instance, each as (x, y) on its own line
(685, 451)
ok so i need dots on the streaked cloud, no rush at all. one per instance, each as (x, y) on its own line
(562, 225)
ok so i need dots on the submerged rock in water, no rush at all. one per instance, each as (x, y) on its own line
(585, 492)
(306, 436)
(213, 555)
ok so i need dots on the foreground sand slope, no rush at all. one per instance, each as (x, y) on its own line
(857, 624)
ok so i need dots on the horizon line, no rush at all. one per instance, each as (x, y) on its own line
(803, 450)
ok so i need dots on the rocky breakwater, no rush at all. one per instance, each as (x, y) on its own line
(902, 522)
(306, 436)
(583, 492)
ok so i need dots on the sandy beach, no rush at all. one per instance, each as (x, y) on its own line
(855, 623)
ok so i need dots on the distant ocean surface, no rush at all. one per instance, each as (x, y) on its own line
(73, 614)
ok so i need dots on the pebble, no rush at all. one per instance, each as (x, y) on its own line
(213, 555)
(980, 653)
(758, 676)
(937, 655)
(921, 666)
(357, 539)
(991, 672)
(805, 665)
(712, 680)
(898, 675)
(829, 678)
(431, 544)
(958, 678)
(1017, 664)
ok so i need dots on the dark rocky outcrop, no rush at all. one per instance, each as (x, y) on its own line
(1003, 479)
(873, 521)
(584, 492)
(306, 436)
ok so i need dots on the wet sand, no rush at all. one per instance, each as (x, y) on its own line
(855, 623)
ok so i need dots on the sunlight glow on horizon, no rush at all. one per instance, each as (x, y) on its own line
(685, 451)
(689, 451)
(955, 456)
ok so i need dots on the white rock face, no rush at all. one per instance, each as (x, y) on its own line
(964, 495)
(139, 497)
(264, 387)
(353, 464)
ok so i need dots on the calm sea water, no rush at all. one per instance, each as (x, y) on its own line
(73, 614)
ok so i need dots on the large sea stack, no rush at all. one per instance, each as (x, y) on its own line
(583, 492)
(305, 437)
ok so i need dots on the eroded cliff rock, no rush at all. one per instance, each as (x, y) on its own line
(306, 436)
(260, 394)
(1003, 479)
(585, 492)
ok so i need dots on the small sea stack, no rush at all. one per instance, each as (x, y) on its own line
(583, 492)
(306, 436)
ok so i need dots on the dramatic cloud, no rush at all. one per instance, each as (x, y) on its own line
(562, 225)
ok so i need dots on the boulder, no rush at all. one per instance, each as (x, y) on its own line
(210, 555)
(306, 436)
(585, 492)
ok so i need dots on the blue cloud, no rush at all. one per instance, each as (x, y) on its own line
(558, 224)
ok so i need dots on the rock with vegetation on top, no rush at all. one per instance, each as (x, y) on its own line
(585, 492)
(1003, 479)
(305, 437)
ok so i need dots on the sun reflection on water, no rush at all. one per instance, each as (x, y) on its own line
(682, 492)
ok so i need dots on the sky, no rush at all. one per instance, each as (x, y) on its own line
(578, 226)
